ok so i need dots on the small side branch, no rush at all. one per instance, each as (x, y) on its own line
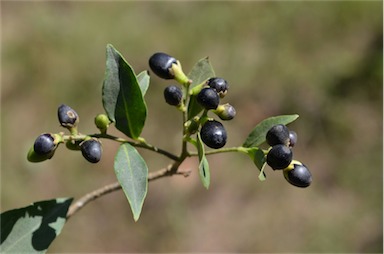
(80, 203)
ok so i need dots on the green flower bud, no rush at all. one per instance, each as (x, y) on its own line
(102, 122)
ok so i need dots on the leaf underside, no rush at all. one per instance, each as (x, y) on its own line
(132, 174)
(258, 157)
(143, 79)
(32, 229)
(200, 72)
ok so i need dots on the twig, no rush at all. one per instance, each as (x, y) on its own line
(80, 203)
(139, 144)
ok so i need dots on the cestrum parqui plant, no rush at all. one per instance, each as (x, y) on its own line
(198, 96)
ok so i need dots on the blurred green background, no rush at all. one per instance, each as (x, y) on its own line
(321, 60)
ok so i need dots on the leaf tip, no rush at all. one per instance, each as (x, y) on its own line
(136, 217)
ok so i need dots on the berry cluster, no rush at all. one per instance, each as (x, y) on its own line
(46, 144)
(207, 95)
(213, 133)
(280, 156)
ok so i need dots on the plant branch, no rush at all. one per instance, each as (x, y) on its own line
(222, 150)
(122, 140)
(81, 202)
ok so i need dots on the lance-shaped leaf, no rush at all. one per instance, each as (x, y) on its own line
(200, 72)
(205, 175)
(122, 95)
(257, 135)
(132, 173)
(32, 229)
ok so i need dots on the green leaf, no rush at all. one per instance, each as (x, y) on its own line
(32, 229)
(258, 157)
(122, 95)
(205, 175)
(132, 173)
(143, 79)
(257, 136)
(262, 176)
(194, 108)
(201, 71)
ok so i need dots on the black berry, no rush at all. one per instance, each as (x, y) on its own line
(44, 144)
(213, 134)
(278, 134)
(220, 85)
(67, 116)
(279, 157)
(208, 98)
(173, 95)
(91, 150)
(292, 138)
(161, 63)
(299, 176)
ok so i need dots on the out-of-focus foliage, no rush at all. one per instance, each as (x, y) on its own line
(321, 60)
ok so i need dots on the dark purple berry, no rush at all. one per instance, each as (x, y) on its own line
(91, 150)
(220, 85)
(213, 134)
(44, 144)
(299, 176)
(279, 157)
(67, 116)
(161, 63)
(278, 134)
(226, 112)
(173, 95)
(208, 98)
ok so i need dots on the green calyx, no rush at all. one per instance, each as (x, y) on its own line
(179, 75)
(196, 90)
(32, 156)
(292, 165)
(192, 125)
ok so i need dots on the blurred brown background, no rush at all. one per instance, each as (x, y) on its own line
(321, 60)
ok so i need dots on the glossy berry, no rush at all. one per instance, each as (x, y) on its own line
(44, 144)
(279, 157)
(173, 95)
(226, 112)
(160, 63)
(278, 134)
(213, 134)
(299, 176)
(208, 98)
(292, 138)
(67, 116)
(220, 85)
(91, 150)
